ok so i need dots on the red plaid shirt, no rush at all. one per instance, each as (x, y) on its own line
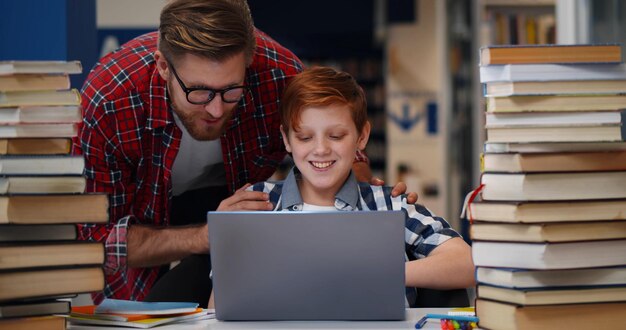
(130, 140)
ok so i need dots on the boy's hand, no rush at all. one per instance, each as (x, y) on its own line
(244, 200)
(398, 189)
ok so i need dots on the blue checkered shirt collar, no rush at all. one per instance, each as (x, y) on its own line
(347, 199)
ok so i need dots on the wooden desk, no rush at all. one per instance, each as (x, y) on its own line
(413, 315)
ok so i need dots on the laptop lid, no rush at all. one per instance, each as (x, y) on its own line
(308, 265)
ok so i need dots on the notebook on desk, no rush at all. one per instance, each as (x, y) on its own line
(308, 265)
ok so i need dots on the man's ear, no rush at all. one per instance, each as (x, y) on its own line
(285, 139)
(162, 65)
(364, 137)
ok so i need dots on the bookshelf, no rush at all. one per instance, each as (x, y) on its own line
(460, 68)
(517, 22)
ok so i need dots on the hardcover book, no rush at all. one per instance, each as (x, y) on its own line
(34, 82)
(49, 322)
(553, 296)
(42, 184)
(543, 212)
(553, 186)
(40, 67)
(39, 98)
(546, 103)
(511, 88)
(49, 209)
(548, 232)
(40, 146)
(549, 255)
(34, 233)
(497, 315)
(613, 133)
(554, 119)
(555, 162)
(64, 130)
(528, 278)
(40, 114)
(541, 147)
(39, 283)
(552, 72)
(525, 54)
(34, 308)
(42, 165)
(33, 255)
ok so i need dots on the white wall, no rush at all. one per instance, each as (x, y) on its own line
(415, 77)
(128, 13)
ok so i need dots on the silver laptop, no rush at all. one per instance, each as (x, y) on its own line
(308, 265)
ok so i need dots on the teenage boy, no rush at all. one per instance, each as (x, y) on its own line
(324, 124)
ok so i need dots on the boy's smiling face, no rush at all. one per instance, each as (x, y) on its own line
(323, 148)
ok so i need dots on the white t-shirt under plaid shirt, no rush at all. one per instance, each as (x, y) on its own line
(423, 230)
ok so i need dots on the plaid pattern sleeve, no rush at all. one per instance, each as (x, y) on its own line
(423, 230)
(124, 103)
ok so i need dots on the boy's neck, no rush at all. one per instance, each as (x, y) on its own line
(318, 198)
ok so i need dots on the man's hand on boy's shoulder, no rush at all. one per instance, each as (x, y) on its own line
(363, 173)
(246, 200)
(398, 189)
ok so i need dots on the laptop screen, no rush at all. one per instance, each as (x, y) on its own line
(308, 265)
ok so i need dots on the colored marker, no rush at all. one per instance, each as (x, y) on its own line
(421, 322)
(453, 317)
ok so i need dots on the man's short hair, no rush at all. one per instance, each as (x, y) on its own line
(321, 87)
(216, 29)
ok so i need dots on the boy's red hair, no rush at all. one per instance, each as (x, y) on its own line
(321, 87)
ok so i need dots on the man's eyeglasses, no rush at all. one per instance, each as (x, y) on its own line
(202, 95)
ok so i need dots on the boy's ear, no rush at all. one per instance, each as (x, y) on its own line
(285, 139)
(364, 137)
(162, 65)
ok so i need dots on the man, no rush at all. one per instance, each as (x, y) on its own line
(174, 123)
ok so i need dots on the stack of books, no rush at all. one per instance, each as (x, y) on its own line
(549, 235)
(42, 198)
(138, 314)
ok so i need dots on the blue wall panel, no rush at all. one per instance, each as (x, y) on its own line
(49, 30)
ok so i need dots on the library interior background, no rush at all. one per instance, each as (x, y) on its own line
(417, 60)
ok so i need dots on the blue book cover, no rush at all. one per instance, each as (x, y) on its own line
(141, 307)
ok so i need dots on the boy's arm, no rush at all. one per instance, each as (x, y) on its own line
(448, 266)
(443, 259)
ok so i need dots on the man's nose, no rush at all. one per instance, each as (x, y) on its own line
(215, 107)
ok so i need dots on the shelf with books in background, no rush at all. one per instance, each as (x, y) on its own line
(42, 197)
(517, 22)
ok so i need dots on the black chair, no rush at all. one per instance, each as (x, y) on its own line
(441, 298)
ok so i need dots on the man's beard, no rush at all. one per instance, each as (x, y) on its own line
(189, 120)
